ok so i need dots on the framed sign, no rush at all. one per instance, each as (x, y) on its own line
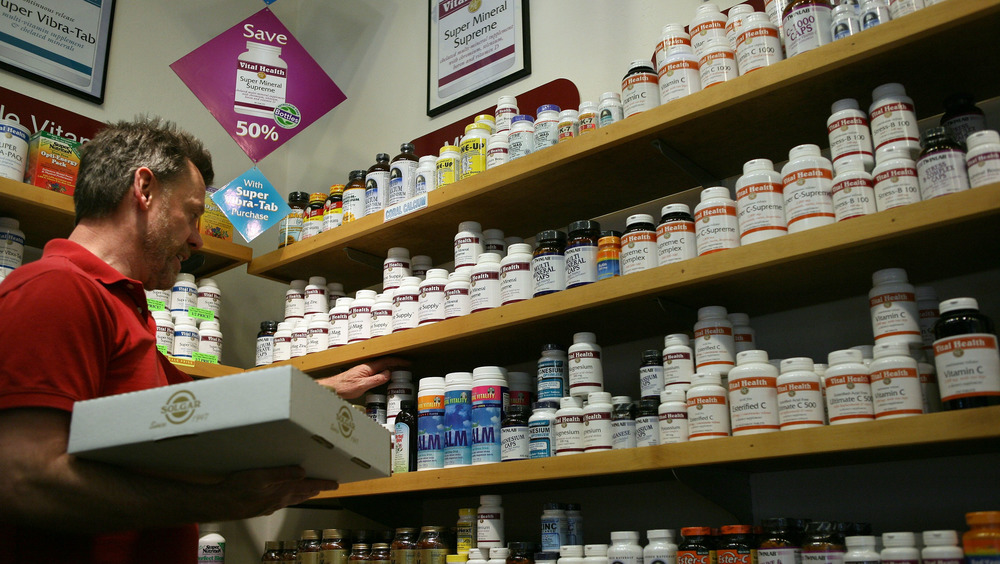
(473, 47)
(61, 43)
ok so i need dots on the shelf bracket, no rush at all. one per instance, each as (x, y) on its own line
(365, 258)
(704, 178)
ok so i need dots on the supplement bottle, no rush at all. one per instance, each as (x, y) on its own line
(853, 191)
(639, 248)
(521, 141)
(405, 430)
(457, 419)
(760, 205)
(961, 117)
(714, 347)
(425, 177)
(848, 388)
(210, 298)
(584, 366)
(468, 244)
(708, 410)
(431, 546)
(340, 315)
(982, 541)
(900, 8)
(678, 361)
(717, 63)
(758, 44)
(697, 545)
(597, 422)
(375, 406)
(738, 545)
(261, 81)
(183, 294)
(493, 242)
(519, 553)
(708, 23)
(716, 225)
(514, 434)
(929, 391)
(448, 166)
(548, 263)
(625, 548)
(300, 337)
(806, 25)
(640, 91)
(265, 340)
(354, 196)
(610, 108)
(186, 338)
(497, 150)
(849, 135)
(212, 545)
(420, 264)
(382, 314)
(156, 300)
(661, 548)
(895, 179)
(581, 253)
(595, 554)
(568, 426)
(541, 428)
(821, 543)
(651, 374)
(899, 548)
(546, 126)
(941, 168)
(359, 324)
(465, 531)
(319, 333)
(672, 35)
(800, 397)
(399, 388)
(333, 208)
(505, 111)
(489, 386)
(456, 294)
(895, 382)
(484, 292)
(893, 306)
(283, 342)
(472, 149)
(673, 415)
(860, 550)
(555, 528)
(609, 249)
(290, 226)
(780, 542)
(587, 118)
(489, 517)
(743, 335)
(873, 13)
(893, 121)
(753, 394)
(680, 74)
(941, 547)
(553, 373)
(965, 356)
(334, 290)
(312, 221)
(983, 158)
(734, 22)
(395, 267)
(165, 335)
(316, 300)
(623, 413)
(571, 554)
(521, 390)
(845, 22)
(380, 554)
(647, 423)
(675, 235)
(377, 184)
(430, 421)
(807, 181)
(333, 547)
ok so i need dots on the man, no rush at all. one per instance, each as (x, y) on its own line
(76, 326)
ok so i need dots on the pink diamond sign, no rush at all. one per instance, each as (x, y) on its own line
(259, 83)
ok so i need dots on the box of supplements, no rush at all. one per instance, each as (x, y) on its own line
(214, 223)
(259, 419)
(53, 162)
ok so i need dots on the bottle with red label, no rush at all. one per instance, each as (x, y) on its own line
(638, 244)
(753, 394)
(716, 225)
(640, 88)
(895, 381)
(697, 546)
(738, 545)
(800, 398)
(708, 409)
(966, 356)
(892, 303)
(807, 185)
(714, 346)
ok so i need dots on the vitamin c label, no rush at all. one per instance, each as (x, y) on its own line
(808, 195)
(753, 404)
(800, 403)
(638, 251)
(708, 416)
(896, 391)
(717, 229)
(713, 349)
(640, 92)
(807, 27)
(849, 398)
(675, 241)
(758, 48)
(894, 314)
(967, 366)
(760, 208)
(679, 78)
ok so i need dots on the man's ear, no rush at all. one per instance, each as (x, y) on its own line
(143, 183)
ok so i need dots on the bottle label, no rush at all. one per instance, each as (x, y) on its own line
(761, 209)
(446, 169)
(753, 403)
(353, 204)
(809, 557)
(757, 48)
(554, 533)
(282, 348)
(487, 410)
(736, 556)
(334, 556)
(473, 155)
(569, 434)
(540, 438)
(778, 556)
(393, 272)
(678, 78)
(430, 421)
(895, 314)
(807, 196)
(850, 139)
(647, 430)
(496, 156)
(585, 371)
(677, 368)
(717, 229)
(515, 282)
(375, 188)
(800, 404)
(546, 133)
(484, 293)
(405, 310)
(714, 349)
(622, 434)
(640, 92)
(984, 168)
(359, 324)
(567, 130)
(717, 67)
(597, 431)
(807, 27)
(967, 366)
(338, 329)
(467, 250)
(651, 380)
(581, 265)
(696, 556)
(431, 303)
(503, 116)
(514, 443)
(548, 273)
(520, 143)
(675, 241)
(896, 187)
(894, 122)
(265, 348)
(401, 448)
(853, 197)
(673, 427)
(260, 87)
(849, 398)
(433, 556)
(942, 172)
(489, 530)
(457, 302)
(608, 263)
(708, 417)
(316, 301)
(552, 379)
(588, 122)
(638, 251)
(402, 181)
(457, 421)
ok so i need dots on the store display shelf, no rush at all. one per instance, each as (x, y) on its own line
(44, 215)
(197, 369)
(925, 436)
(929, 239)
(762, 114)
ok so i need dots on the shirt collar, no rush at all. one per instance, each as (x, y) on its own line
(99, 270)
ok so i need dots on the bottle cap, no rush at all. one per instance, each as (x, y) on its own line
(940, 538)
(521, 117)
(957, 304)
(548, 108)
(675, 208)
(844, 356)
(638, 219)
(584, 337)
(676, 339)
(470, 226)
(673, 393)
(796, 363)
(382, 157)
(900, 539)
(712, 312)
(714, 192)
(705, 379)
(748, 357)
(889, 89)
(982, 138)
(755, 165)
(888, 275)
(571, 551)
(583, 225)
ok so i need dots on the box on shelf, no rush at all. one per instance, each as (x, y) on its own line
(214, 223)
(53, 162)
(259, 419)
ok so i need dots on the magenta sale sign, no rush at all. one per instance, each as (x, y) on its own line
(259, 82)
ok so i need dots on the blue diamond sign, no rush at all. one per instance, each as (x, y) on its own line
(251, 203)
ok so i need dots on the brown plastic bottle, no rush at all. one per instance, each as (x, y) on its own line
(821, 543)
(521, 553)
(404, 546)
(333, 548)
(431, 546)
(309, 551)
(780, 542)
(697, 546)
(289, 551)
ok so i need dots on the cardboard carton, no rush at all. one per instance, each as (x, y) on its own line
(53, 162)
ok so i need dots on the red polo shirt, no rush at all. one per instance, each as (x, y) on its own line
(74, 328)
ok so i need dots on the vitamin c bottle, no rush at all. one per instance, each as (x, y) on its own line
(760, 205)
(640, 90)
(675, 235)
(638, 244)
(800, 397)
(807, 25)
(965, 355)
(716, 225)
(895, 382)
(807, 181)
(753, 394)
(708, 410)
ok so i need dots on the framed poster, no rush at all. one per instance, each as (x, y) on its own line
(473, 47)
(61, 43)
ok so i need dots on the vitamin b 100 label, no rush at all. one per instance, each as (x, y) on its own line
(967, 366)
(896, 187)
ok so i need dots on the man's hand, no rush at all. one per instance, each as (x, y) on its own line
(352, 383)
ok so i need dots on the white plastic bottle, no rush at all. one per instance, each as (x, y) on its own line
(431, 301)
(406, 305)
(569, 127)
(283, 342)
(300, 338)
(472, 149)
(900, 8)
(675, 235)
(861, 550)
(165, 332)
(546, 126)
(506, 110)
(895, 382)
(426, 176)
(753, 394)
(568, 426)
(714, 346)
(758, 44)
(521, 140)
(541, 429)
(760, 205)
(295, 300)
(595, 554)
(734, 23)
(484, 292)
(661, 548)
(807, 26)
(853, 191)
(456, 294)
(555, 532)
(671, 35)
(498, 555)
(209, 296)
(800, 396)
(11, 245)
(638, 244)
(680, 74)
(316, 300)
(183, 295)
(899, 548)
(716, 225)
(743, 335)
(708, 410)
(395, 267)
(892, 303)
(893, 121)
(597, 422)
(489, 522)
(895, 177)
(448, 166)
(211, 545)
(874, 12)
(717, 63)
(625, 548)
(497, 150)
(588, 119)
(186, 338)
(515, 274)
(849, 134)
(610, 108)
(708, 22)
(339, 316)
(848, 388)
(983, 158)
(941, 547)
(468, 243)
(585, 371)
(678, 361)
(570, 554)
(359, 324)
(319, 333)
(807, 180)
(382, 314)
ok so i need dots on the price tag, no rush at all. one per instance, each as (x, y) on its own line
(163, 349)
(202, 314)
(177, 361)
(155, 305)
(205, 357)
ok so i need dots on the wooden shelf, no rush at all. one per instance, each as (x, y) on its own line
(763, 114)
(805, 268)
(937, 434)
(46, 215)
(196, 369)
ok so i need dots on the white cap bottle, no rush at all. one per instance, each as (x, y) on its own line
(339, 317)
(896, 181)
(382, 314)
(359, 324)
(760, 205)
(283, 341)
(490, 527)
(210, 340)
(848, 388)
(983, 158)
(456, 294)
(807, 180)
(753, 394)
(468, 243)
(484, 292)
(569, 426)
(678, 360)
(515, 274)
(673, 415)
(800, 396)
(295, 300)
(586, 374)
(316, 299)
(210, 297)
(892, 303)
(895, 378)
(893, 121)
(716, 225)
(708, 408)
(597, 423)
(431, 301)
(714, 345)
(395, 267)
(849, 134)
(406, 305)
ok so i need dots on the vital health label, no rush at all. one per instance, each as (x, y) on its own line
(896, 392)
(895, 315)
(800, 403)
(967, 365)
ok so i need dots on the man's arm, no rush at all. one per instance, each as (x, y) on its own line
(352, 383)
(43, 486)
